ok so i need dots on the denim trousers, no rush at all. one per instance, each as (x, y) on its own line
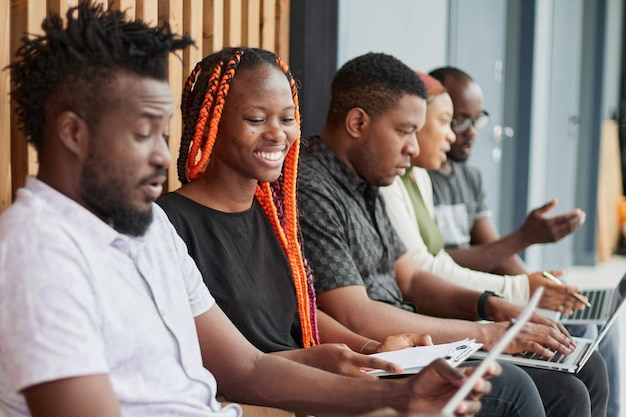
(609, 349)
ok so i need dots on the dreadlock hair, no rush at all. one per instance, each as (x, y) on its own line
(442, 74)
(70, 68)
(374, 82)
(204, 96)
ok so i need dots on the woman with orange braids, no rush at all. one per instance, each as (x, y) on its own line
(237, 210)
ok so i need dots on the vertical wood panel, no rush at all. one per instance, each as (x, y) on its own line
(61, 6)
(19, 148)
(282, 29)
(128, 6)
(54, 6)
(252, 23)
(5, 111)
(36, 15)
(268, 25)
(148, 11)
(172, 11)
(233, 23)
(193, 12)
(25, 17)
(213, 24)
(213, 32)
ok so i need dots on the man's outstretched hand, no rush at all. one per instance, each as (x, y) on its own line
(539, 228)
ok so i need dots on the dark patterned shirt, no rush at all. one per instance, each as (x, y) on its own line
(348, 238)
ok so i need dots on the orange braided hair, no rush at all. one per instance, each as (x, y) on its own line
(200, 138)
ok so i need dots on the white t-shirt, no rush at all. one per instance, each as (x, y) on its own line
(400, 210)
(78, 298)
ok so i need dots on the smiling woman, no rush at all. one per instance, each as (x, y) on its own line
(241, 118)
(237, 211)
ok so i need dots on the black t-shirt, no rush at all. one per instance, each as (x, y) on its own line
(244, 267)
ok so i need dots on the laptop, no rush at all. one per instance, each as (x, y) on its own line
(493, 354)
(603, 302)
(575, 361)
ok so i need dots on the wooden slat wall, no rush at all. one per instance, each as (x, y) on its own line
(5, 110)
(213, 24)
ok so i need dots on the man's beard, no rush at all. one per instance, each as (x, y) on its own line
(105, 196)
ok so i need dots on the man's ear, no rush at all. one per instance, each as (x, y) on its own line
(73, 133)
(357, 122)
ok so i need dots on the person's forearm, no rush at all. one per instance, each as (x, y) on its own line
(488, 256)
(244, 374)
(304, 389)
(513, 265)
(331, 331)
(439, 298)
(379, 320)
(296, 355)
(514, 287)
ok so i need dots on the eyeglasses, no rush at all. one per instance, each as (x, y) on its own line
(462, 125)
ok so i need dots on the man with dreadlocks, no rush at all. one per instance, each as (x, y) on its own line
(364, 276)
(104, 313)
(239, 220)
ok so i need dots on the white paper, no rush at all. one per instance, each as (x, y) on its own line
(414, 359)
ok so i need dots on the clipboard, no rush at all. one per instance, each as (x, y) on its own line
(414, 359)
(467, 386)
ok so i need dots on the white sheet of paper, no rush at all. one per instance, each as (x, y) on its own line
(414, 359)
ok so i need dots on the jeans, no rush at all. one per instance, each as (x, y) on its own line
(584, 394)
(609, 349)
(513, 394)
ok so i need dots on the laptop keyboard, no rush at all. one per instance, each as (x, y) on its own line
(558, 357)
(596, 298)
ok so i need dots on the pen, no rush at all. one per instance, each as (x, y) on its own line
(573, 294)
(460, 353)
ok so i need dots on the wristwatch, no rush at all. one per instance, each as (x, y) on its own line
(481, 304)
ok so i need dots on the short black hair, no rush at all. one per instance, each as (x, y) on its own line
(441, 74)
(70, 68)
(374, 82)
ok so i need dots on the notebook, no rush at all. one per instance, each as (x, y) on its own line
(573, 362)
(603, 302)
(493, 354)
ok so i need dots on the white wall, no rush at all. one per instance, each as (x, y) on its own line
(540, 118)
(414, 31)
(541, 102)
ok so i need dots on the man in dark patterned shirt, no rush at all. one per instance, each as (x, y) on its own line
(363, 275)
